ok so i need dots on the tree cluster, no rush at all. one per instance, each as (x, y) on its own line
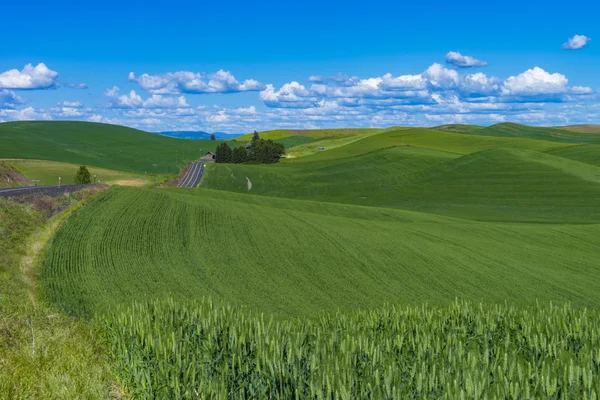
(259, 151)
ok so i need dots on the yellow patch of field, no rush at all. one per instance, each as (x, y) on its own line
(42, 172)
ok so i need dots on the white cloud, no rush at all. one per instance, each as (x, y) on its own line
(441, 77)
(458, 60)
(134, 100)
(158, 101)
(576, 42)
(191, 82)
(30, 77)
(9, 99)
(26, 114)
(77, 85)
(534, 82)
(73, 104)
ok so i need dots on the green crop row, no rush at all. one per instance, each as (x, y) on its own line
(169, 349)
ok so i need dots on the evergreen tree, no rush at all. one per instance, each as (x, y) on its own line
(239, 155)
(265, 151)
(255, 137)
(213, 137)
(83, 176)
(224, 154)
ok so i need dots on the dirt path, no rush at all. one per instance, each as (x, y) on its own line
(35, 246)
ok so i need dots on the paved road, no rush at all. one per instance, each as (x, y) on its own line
(192, 179)
(47, 190)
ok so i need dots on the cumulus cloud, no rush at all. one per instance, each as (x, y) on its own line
(576, 42)
(26, 114)
(191, 82)
(457, 60)
(9, 99)
(535, 82)
(30, 77)
(435, 85)
(134, 100)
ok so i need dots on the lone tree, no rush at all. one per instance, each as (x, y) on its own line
(265, 151)
(224, 154)
(255, 137)
(212, 136)
(239, 155)
(83, 176)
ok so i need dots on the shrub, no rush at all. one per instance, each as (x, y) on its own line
(83, 176)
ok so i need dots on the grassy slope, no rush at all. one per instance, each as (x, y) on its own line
(299, 143)
(583, 128)
(491, 185)
(47, 172)
(43, 355)
(298, 257)
(587, 153)
(11, 177)
(100, 145)
(560, 135)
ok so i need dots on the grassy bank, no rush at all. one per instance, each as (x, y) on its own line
(43, 354)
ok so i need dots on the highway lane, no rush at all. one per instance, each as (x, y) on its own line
(49, 190)
(192, 178)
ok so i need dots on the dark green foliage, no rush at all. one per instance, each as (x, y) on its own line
(83, 176)
(255, 137)
(224, 154)
(239, 155)
(265, 151)
(213, 137)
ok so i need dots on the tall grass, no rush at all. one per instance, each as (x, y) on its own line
(169, 349)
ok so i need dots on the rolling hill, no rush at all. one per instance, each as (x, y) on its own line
(99, 145)
(301, 258)
(561, 135)
(260, 276)
(589, 128)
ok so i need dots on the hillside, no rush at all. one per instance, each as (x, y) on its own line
(99, 145)
(589, 128)
(301, 258)
(10, 176)
(508, 129)
(502, 184)
(43, 172)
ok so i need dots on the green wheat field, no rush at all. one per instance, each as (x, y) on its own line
(443, 263)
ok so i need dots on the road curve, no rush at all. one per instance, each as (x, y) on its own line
(192, 178)
(47, 190)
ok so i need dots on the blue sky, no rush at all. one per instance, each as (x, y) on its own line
(238, 66)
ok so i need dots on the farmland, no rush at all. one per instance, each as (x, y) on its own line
(98, 145)
(460, 261)
(47, 173)
(136, 244)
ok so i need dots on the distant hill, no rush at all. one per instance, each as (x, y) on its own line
(199, 135)
(100, 145)
(458, 128)
(583, 128)
(553, 134)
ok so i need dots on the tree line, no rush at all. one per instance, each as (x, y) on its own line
(259, 151)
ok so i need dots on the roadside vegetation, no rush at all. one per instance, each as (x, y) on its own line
(43, 353)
